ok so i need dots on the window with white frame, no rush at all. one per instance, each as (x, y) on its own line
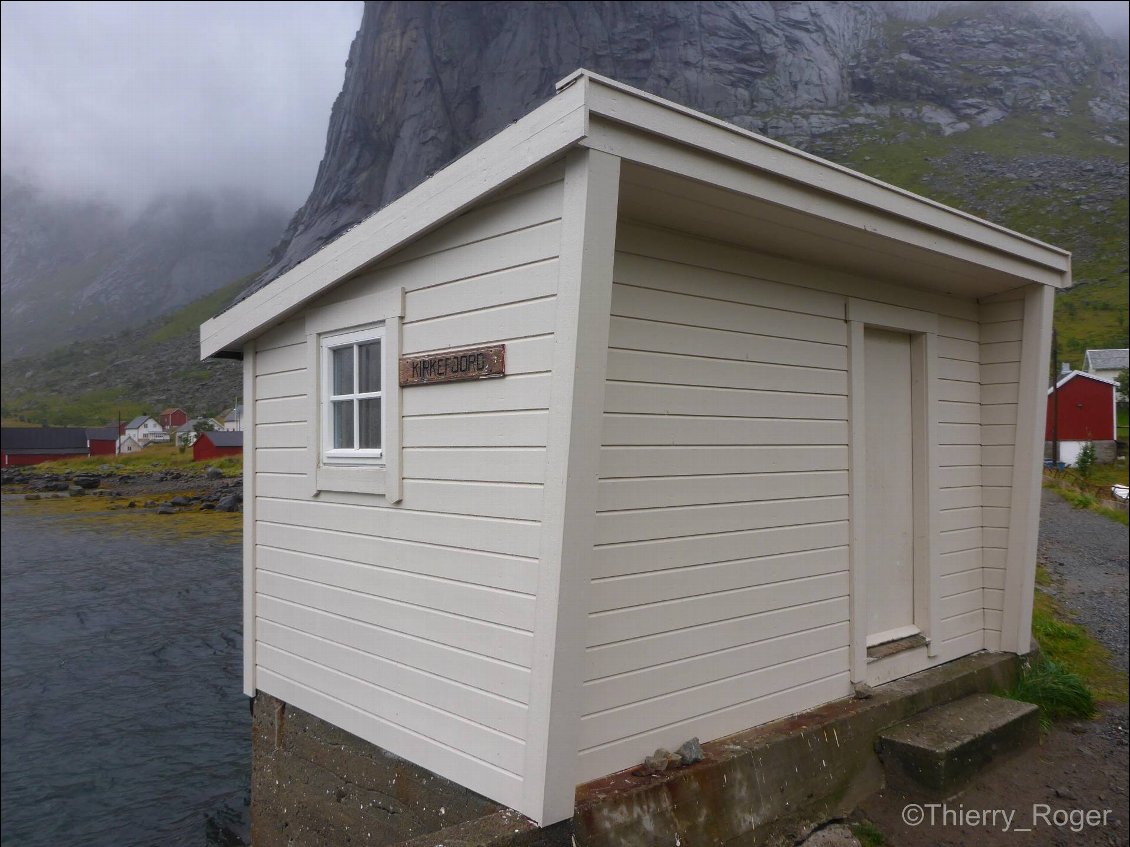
(352, 396)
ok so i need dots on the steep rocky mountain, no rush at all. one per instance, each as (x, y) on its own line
(1014, 111)
(427, 81)
(81, 269)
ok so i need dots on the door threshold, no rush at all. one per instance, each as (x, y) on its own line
(899, 645)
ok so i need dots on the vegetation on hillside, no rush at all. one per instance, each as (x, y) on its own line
(140, 371)
(1055, 179)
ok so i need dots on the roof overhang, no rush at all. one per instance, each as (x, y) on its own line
(1067, 378)
(731, 185)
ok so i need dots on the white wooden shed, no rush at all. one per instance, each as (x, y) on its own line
(761, 417)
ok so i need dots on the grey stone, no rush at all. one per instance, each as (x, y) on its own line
(835, 835)
(86, 480)
(690, 752)
(213, 472)
(180, 501)
(863, 691)
(166, 510)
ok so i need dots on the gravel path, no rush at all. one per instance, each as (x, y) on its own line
(1086, 555)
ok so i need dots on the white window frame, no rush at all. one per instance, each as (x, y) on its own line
(381, 476)
(337, 341)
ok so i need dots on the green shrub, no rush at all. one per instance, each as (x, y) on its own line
(1086, 461)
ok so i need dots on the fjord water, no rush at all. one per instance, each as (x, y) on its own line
(123, 719)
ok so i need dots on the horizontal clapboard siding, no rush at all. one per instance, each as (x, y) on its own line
(411, 624)
(719, 596)
(720, 569)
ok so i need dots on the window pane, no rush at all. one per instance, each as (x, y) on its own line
(343, 424)
(369, 416)
(343, 370)
(369, 366)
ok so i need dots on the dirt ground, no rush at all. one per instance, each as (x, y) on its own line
(1072, 789)
(1079, 767)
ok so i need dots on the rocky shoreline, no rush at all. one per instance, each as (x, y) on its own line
(205, 489)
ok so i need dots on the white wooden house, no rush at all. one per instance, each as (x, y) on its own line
(760, 415)
(145, 429)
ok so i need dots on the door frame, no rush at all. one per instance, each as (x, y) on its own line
(923, 330)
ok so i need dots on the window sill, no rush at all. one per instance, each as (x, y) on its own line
(358, 480)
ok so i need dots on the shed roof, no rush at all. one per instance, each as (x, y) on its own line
(1107, 360)
(1068, 377)
(712, 177)
(138, 421)
(43, 439)
(224, 438)
(102, 433)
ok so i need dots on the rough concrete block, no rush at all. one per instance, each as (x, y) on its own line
(943, 747)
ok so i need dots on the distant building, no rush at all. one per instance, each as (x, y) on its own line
(233, 419)
(32, 445)
(170, 419)
(145, 428)
(186, 434)
(1081, 408)
(128, 444)
(102, 440)
(1107, 363)
(216, 445)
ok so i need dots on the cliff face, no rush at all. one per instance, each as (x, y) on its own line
(425, 82)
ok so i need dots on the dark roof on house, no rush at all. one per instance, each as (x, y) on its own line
(170, 411)
(1107, 360)
(102, 433)
(138, 421)
(223, 438)
(61, 440)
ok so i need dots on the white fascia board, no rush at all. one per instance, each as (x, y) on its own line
(622, 104)
(1074, 374)
(515, 151)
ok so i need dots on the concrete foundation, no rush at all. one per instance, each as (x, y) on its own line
(313, 784)
(1106, 452)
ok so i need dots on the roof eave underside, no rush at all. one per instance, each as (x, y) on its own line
(605, 115)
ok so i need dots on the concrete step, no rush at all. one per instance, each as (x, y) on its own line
(942, 748)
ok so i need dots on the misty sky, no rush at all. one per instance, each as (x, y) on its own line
(127, 100)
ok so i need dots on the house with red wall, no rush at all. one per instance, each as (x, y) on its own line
(216, 445)
(102, 440)
(172, 418)
(33, 445)
(1081, 408)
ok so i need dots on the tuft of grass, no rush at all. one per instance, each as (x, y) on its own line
(1058, 692)
(868, 834)
(1073, 650)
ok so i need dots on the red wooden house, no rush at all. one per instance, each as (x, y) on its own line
(170, 419)
(216, 445)
(32, 445)
(103, 440)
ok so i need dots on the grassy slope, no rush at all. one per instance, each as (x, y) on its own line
(135, 372)
(1094, 312)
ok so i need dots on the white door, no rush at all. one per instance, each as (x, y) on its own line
(888, 559)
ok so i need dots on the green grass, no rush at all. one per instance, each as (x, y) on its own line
(1073, 650)
(1058, 692)
(92, 408)
(153, 458)
(1085, 500)
(189, 318)
(868, 834)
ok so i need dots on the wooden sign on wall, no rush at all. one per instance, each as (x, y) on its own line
(473, 363)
